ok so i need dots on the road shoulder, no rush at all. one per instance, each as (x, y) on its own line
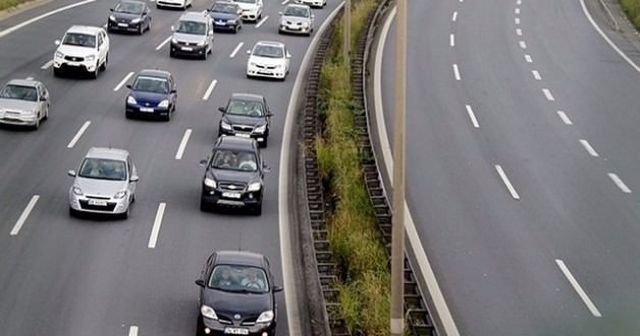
(9, 12)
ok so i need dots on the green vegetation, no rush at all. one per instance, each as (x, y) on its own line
(632, 9)
(355, 241)
(4, 4)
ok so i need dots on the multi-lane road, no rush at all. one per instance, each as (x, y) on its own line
(76, 277)
(522, 165)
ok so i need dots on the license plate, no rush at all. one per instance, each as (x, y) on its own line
(146, 109)
(236, 331)
(231, 195)
(187, 48)
(243, 135)
(123, 25)
(97, 202)
(221, 23)
(264, 72)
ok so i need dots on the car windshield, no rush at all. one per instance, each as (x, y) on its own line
(247, 1)
(80, 40)
(247, 108)
(238, 278)
(151, 84)
(296, 11)
(224, 8)
(19, 92)
(103, 169)
(129, 7)
(192, 27)
(234, 160)
(263, 50)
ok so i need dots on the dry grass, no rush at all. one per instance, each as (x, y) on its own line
(632, 8)
(4, 4)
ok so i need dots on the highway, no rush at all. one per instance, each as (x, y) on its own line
(78, 277)
(522, 164)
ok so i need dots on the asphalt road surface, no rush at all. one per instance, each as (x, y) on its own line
(78, 277)
(522, 165)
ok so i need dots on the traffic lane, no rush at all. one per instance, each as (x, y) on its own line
(37, 11)
(591, 81)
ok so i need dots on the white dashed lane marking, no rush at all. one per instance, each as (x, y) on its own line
(565, 118)
(183, 144)
(235, 51)
(618, 181)
(123, 81)
(212, 86)
(456, 72)
(155, 231)
(163, 43)
(47, 65)
(79, 134)
(517, 21)
(528, 58)
(536, 74)
(523, 44)
(454, 17)
(518, 31)
(472, 116)
(507, 183)
(576, 286)
(548, 95)
(262, 21)
(452, 40)
(587, 146)
(133, 330)
(24, 215)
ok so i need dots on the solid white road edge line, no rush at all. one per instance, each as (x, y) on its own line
(618, 181)
(452, 40)
(155, 231)
(548, 95)
(40, 17)
(528, 58)
(163, 43)
(79, 134)
(456, 72)
(472, 116)
(536, 74)
(183, 144)
(24, 215)
(454, 17)
(606, 38)
(424, 266)
(47, 65)
(588, 148)
(565, 118)
(123, 81)
(262, 21)
(235, 51)
(576, 286)
(133, 331)
(507, 183)
(212, 86)
(288, 274)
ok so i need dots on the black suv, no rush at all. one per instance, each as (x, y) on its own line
(237, 295)
(234, 175)
(246, 115)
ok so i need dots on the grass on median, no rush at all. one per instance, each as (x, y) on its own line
(354, 239)
(5, 4)
(632, 9)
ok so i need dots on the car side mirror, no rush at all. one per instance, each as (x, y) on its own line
(277, 289)
(111, 9)
(211, 33)
(134, 178)
(43, 98)
(174, 91)
(129, 86)
(313, 16)
(280, 13)
(239, 12)
(266, 168)
(288, 55)
(56, 42)
(71, 173)
(200, 282)
(248, 52)
(269, 114)
(221, 109)
(203, 162)
(173, 28)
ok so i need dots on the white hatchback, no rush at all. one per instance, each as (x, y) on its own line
(313, 3)
(268, 59)
(251, 9)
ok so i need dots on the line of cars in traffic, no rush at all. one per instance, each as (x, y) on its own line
(237, 289)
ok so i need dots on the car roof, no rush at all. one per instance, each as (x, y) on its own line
(299, 5)
(23, 82)
(154, 73)
(240, 258)
(247, 96)
(91, 30)
(235, 142)
(194, 16)
(271, 43)
(225, 3)
(133, 1)
(107, 153)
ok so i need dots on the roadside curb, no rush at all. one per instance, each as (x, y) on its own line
(9, 12)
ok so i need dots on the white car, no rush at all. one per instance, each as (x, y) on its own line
(313, 3)
(83, 48)
(251, 9)
(174, 3)
(268, 59)
(296, 19)
(24, 102)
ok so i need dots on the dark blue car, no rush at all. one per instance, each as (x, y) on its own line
(226, 16)
(153, 94)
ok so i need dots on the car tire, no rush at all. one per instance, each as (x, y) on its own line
(140, 29)
(37, 124)
(104, 65)
(72, 212)
(265, 143)
(168, 117)
(171, 53)
(125, 215)
(57, 72)
(158, 6)
(46, 114)
(128, 115)
(257, 210)
(96, 72)
(149, 25)
(200, 327)
(204, 207)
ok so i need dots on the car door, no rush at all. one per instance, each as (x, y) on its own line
(105, 45)
(132, 171)
(146, 16)
(267, 112)
(174, 89)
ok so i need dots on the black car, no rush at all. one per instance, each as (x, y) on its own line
(226, 15)
(237, 295)
(153, 94)
(130, 15)
(234, 175)
(246, 115)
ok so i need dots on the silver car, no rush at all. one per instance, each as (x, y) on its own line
(296, 19)
(105, 183)
(24, 102)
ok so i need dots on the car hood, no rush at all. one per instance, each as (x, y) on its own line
(247, 6)
(149, 97)
(243, 120)
(294, 19)
(233, 176)
(76, 50)
(222, 16)
(125, 16)
(98, 187)
(191, 38)
(229, 304)
(266, 60)
(17, 105)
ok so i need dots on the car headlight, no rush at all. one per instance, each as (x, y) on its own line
(261, 128)
(208, 312)
(232, 21)
(90, 58)
(59, 54)
(76, 190)
(209, 182)
(136, 20)
(254, 186)
(253, 64)
(120, 194)
(131, 100)
(164, 103)
(278, 66)
(201, 43)
(174, 41)
(265, 317)
(112, 18)
(225, 125)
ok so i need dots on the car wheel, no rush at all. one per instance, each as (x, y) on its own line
(158, 6)
(168, 117)
(128, 115)
(204, 207)
(96, 72)
(265, 142)
(125, 214)
(56, 72)
(200, 327)
(149, 25)
(140, 29)
(72, 212)
(36, 125)
(171, 53)
(46, 113)
(257, 210)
